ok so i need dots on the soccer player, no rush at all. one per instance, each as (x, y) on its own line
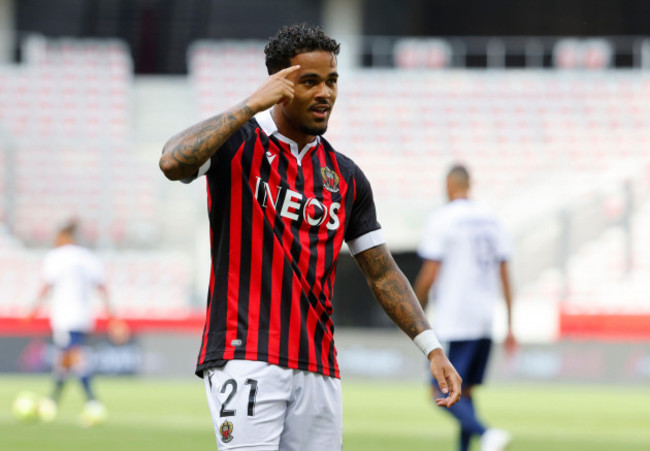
(281, 201)
(465, 252)
(70, 275)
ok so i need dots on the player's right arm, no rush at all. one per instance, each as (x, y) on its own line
(425, 279)
(186, 151)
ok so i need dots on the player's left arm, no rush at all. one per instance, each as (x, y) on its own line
(510, 341)
(102, 290)
(393, 291)
(42, 294)
(118, 330)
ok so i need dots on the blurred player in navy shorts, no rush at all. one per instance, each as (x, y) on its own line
(71, 275)
(465, 252)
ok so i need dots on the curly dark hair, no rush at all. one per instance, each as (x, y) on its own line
(293, 40)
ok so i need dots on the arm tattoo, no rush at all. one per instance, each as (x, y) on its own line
(392, 290)
(184, 153)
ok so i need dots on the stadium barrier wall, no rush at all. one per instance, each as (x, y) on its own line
(363, 354)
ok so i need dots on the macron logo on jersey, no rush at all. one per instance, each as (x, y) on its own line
(270, 156)
(294, 206)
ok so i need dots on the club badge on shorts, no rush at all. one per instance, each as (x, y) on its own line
(226, 431)
(330, 179)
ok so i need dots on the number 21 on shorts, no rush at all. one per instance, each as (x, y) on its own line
(230, 389)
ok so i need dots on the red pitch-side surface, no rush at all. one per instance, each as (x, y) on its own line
(191, 323)
(616, 327)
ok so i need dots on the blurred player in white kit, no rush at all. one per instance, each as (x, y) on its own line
(71, 274)
(465, 252)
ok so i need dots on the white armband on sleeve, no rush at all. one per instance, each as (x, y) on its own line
(203, 169)
(427, 342)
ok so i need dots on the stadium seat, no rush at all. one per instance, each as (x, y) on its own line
(79, 93)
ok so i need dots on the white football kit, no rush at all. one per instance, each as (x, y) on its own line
(73, 272)
(470, 243)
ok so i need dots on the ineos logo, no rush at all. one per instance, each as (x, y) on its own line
(294, 206)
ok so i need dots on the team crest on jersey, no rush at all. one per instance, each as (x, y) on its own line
(226, 431)
(330, 179)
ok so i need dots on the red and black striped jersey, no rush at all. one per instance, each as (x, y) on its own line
(278, 218)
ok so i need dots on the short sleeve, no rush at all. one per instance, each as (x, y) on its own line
(431, 245)
(504, 244)
(363, 230)
(48, 269)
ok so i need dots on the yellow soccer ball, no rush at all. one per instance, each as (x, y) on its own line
(94, 413)
(25, 407)
(47, 410)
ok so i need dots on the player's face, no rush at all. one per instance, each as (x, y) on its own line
(315, 89)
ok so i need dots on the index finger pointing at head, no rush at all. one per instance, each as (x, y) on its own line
(289, 70)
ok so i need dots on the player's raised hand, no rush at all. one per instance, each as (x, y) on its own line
(276, 89)
(448, 378)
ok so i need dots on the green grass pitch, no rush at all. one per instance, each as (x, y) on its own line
(161, 415)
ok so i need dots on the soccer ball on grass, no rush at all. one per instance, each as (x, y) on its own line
(94, 413)
(47, 410)
(25, 407)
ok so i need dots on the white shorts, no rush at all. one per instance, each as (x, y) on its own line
(263, 407)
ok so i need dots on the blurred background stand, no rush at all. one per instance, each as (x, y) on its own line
(547, 103)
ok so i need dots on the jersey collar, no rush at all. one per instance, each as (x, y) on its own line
(265, 119)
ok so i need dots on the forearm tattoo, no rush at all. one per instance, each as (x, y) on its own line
(392, 290)
(188, 150)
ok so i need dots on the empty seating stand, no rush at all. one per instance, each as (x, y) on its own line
(68, 109)
(536, 141)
